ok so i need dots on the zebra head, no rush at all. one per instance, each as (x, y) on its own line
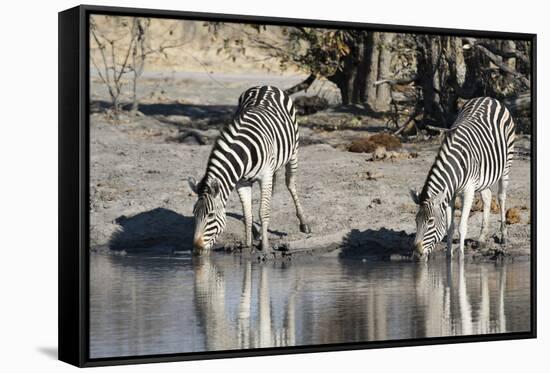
(209, 214)
(430, 223)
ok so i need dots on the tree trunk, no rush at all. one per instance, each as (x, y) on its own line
(351, 76)
(360, 69)
(509, 47)
(373, 53)
(433, 75)
(383, 94)
(138, 58)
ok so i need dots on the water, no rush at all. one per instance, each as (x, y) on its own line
(143, 305)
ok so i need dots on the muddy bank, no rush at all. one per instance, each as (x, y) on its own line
(140, 201)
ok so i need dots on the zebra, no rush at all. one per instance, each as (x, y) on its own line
(260, 140)
(475, 154)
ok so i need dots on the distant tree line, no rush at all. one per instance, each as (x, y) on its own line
(416, 80)
(425, 76)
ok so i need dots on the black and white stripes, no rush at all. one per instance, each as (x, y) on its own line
(476, 154)
(261, 139)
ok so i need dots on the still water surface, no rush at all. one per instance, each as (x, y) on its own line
(142, 305)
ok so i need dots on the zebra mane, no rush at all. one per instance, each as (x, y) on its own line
(428, 184)
(208, 185)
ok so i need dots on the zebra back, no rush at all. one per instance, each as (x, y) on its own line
(477, 148)
(263, 134)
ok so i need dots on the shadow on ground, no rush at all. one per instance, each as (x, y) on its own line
(256, 226)
(171, 108)
(159, 230)
(379, 244)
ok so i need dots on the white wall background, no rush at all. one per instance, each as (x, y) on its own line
(28, 183)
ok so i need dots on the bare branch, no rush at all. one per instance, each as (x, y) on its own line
(393, 82)
(302, 86)
(504, 54)
(436, 129)
(498, 61)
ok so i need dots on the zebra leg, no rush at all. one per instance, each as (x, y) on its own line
(266, 186)
(245, 195)
(502, 185)
(450, 227)
(467, 199)
(486, 198)
(274, 184)
(291, 170)
(255, 232)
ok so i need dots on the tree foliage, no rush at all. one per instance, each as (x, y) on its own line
(425, 76)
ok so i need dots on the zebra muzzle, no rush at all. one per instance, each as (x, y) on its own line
(418, 252)
(198, 246)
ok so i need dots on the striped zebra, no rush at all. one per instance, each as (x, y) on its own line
(476, 153)
(262, 138)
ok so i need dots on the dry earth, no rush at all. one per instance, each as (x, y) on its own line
(140, 200)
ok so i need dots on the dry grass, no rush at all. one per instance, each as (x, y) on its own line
(513, 216)
(369, 144)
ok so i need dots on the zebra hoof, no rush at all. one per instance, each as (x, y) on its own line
(304, 228)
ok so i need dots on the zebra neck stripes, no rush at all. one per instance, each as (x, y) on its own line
(446, 176)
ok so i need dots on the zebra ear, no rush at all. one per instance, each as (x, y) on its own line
(192, 184)
(214, 188)
(415, 197)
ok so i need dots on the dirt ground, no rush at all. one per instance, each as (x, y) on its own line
(357, 207)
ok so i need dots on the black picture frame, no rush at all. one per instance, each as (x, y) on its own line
(74, 180)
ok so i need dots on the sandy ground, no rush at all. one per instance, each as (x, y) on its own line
(140, 200)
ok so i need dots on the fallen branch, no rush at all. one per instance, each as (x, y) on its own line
(504, 54)
(301, 86)
(184, 134)
(410, 119)
(393, 82)
(436, 129)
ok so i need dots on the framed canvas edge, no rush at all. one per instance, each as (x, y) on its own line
(71, 166)
(73, 298)
(226, 354)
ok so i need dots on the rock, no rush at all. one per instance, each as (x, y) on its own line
(374, 175)
(375, 201)
(178, 119)
(306, 105)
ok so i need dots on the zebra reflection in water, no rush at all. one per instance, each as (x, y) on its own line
(243, 309)
(459, 305)
(252, 326)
